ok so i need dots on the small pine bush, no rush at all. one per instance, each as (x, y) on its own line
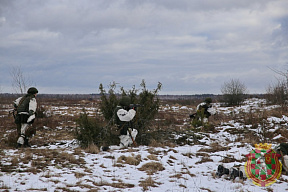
(145, 114)
(198, 119)
(89, 131)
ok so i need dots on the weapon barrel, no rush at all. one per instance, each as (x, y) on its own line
(12, 112)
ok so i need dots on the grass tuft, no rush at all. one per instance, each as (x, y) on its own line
(131, 160)
(147, 183)
(152, 167)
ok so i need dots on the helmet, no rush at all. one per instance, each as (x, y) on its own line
(208, 100)
(125, 101)
(32, 90)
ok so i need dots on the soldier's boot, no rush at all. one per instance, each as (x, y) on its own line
(26, 142)
(20, 141)
(18, 145)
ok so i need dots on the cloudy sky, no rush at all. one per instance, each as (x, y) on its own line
(190, 46)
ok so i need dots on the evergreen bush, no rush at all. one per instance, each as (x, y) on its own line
(147, 99)
(90, 131)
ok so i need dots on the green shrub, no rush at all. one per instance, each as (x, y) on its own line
(147, 99)
(90, 131)
(198, 120)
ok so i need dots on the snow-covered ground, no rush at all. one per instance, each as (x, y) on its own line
(63, 166)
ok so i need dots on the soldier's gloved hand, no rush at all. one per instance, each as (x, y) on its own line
(31, 112)
(31, 118)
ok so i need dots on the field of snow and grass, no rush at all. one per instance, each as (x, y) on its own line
(187, 162)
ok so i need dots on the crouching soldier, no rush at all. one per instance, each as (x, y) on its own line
(124, 118)
(25, 107)
(203, 111)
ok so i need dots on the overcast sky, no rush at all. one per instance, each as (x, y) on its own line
(190, 46)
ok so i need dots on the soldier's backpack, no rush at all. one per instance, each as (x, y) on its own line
(282, 148)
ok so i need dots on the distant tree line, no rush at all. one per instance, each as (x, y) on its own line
(233, 91)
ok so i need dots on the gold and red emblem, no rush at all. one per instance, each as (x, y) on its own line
(263, 165)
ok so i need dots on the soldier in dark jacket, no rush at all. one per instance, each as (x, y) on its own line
(26, 108)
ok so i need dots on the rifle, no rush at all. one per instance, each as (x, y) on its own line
(12, 112)
(134, 106)
(134, 142)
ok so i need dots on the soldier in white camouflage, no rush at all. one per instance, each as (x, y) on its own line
(203, 111)
(25, 108)
(124, 117)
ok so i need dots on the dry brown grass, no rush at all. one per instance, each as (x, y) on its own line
(79, 175)
(230, 159)
(202, 154)
(190, 155)
(152, 157)
(40, 163)
(11, 140)
(169, 120)
(60, 127)
(14, 161)
(177, 175)
(219, 118)
(109, 157)
(33, 170)
(204, 159)
(147, 183)
(37, 189)
(131, 160)
(214, 147)
(250, 138)
(155, 143)
(94, 149)
(277, 112)
(70, 158)
(152, 167)
(120, 184)
(78, 151)
(93, 190)
(154, 152)
(205, 189)
(36, 160)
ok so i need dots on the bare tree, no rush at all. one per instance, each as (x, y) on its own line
(233, 92)
(19, 81)
(278, 93)
(0, 94)
(281, 73)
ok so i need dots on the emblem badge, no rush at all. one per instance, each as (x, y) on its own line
(263, 165)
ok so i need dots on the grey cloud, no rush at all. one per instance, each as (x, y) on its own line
(189, 46)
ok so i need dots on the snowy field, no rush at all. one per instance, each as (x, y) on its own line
(63, 166)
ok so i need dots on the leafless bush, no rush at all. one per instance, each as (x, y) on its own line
(233, 92)
(278, 94)
(19, 81)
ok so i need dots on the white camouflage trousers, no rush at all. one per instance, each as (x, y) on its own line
(125, 140)
(24, 127)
